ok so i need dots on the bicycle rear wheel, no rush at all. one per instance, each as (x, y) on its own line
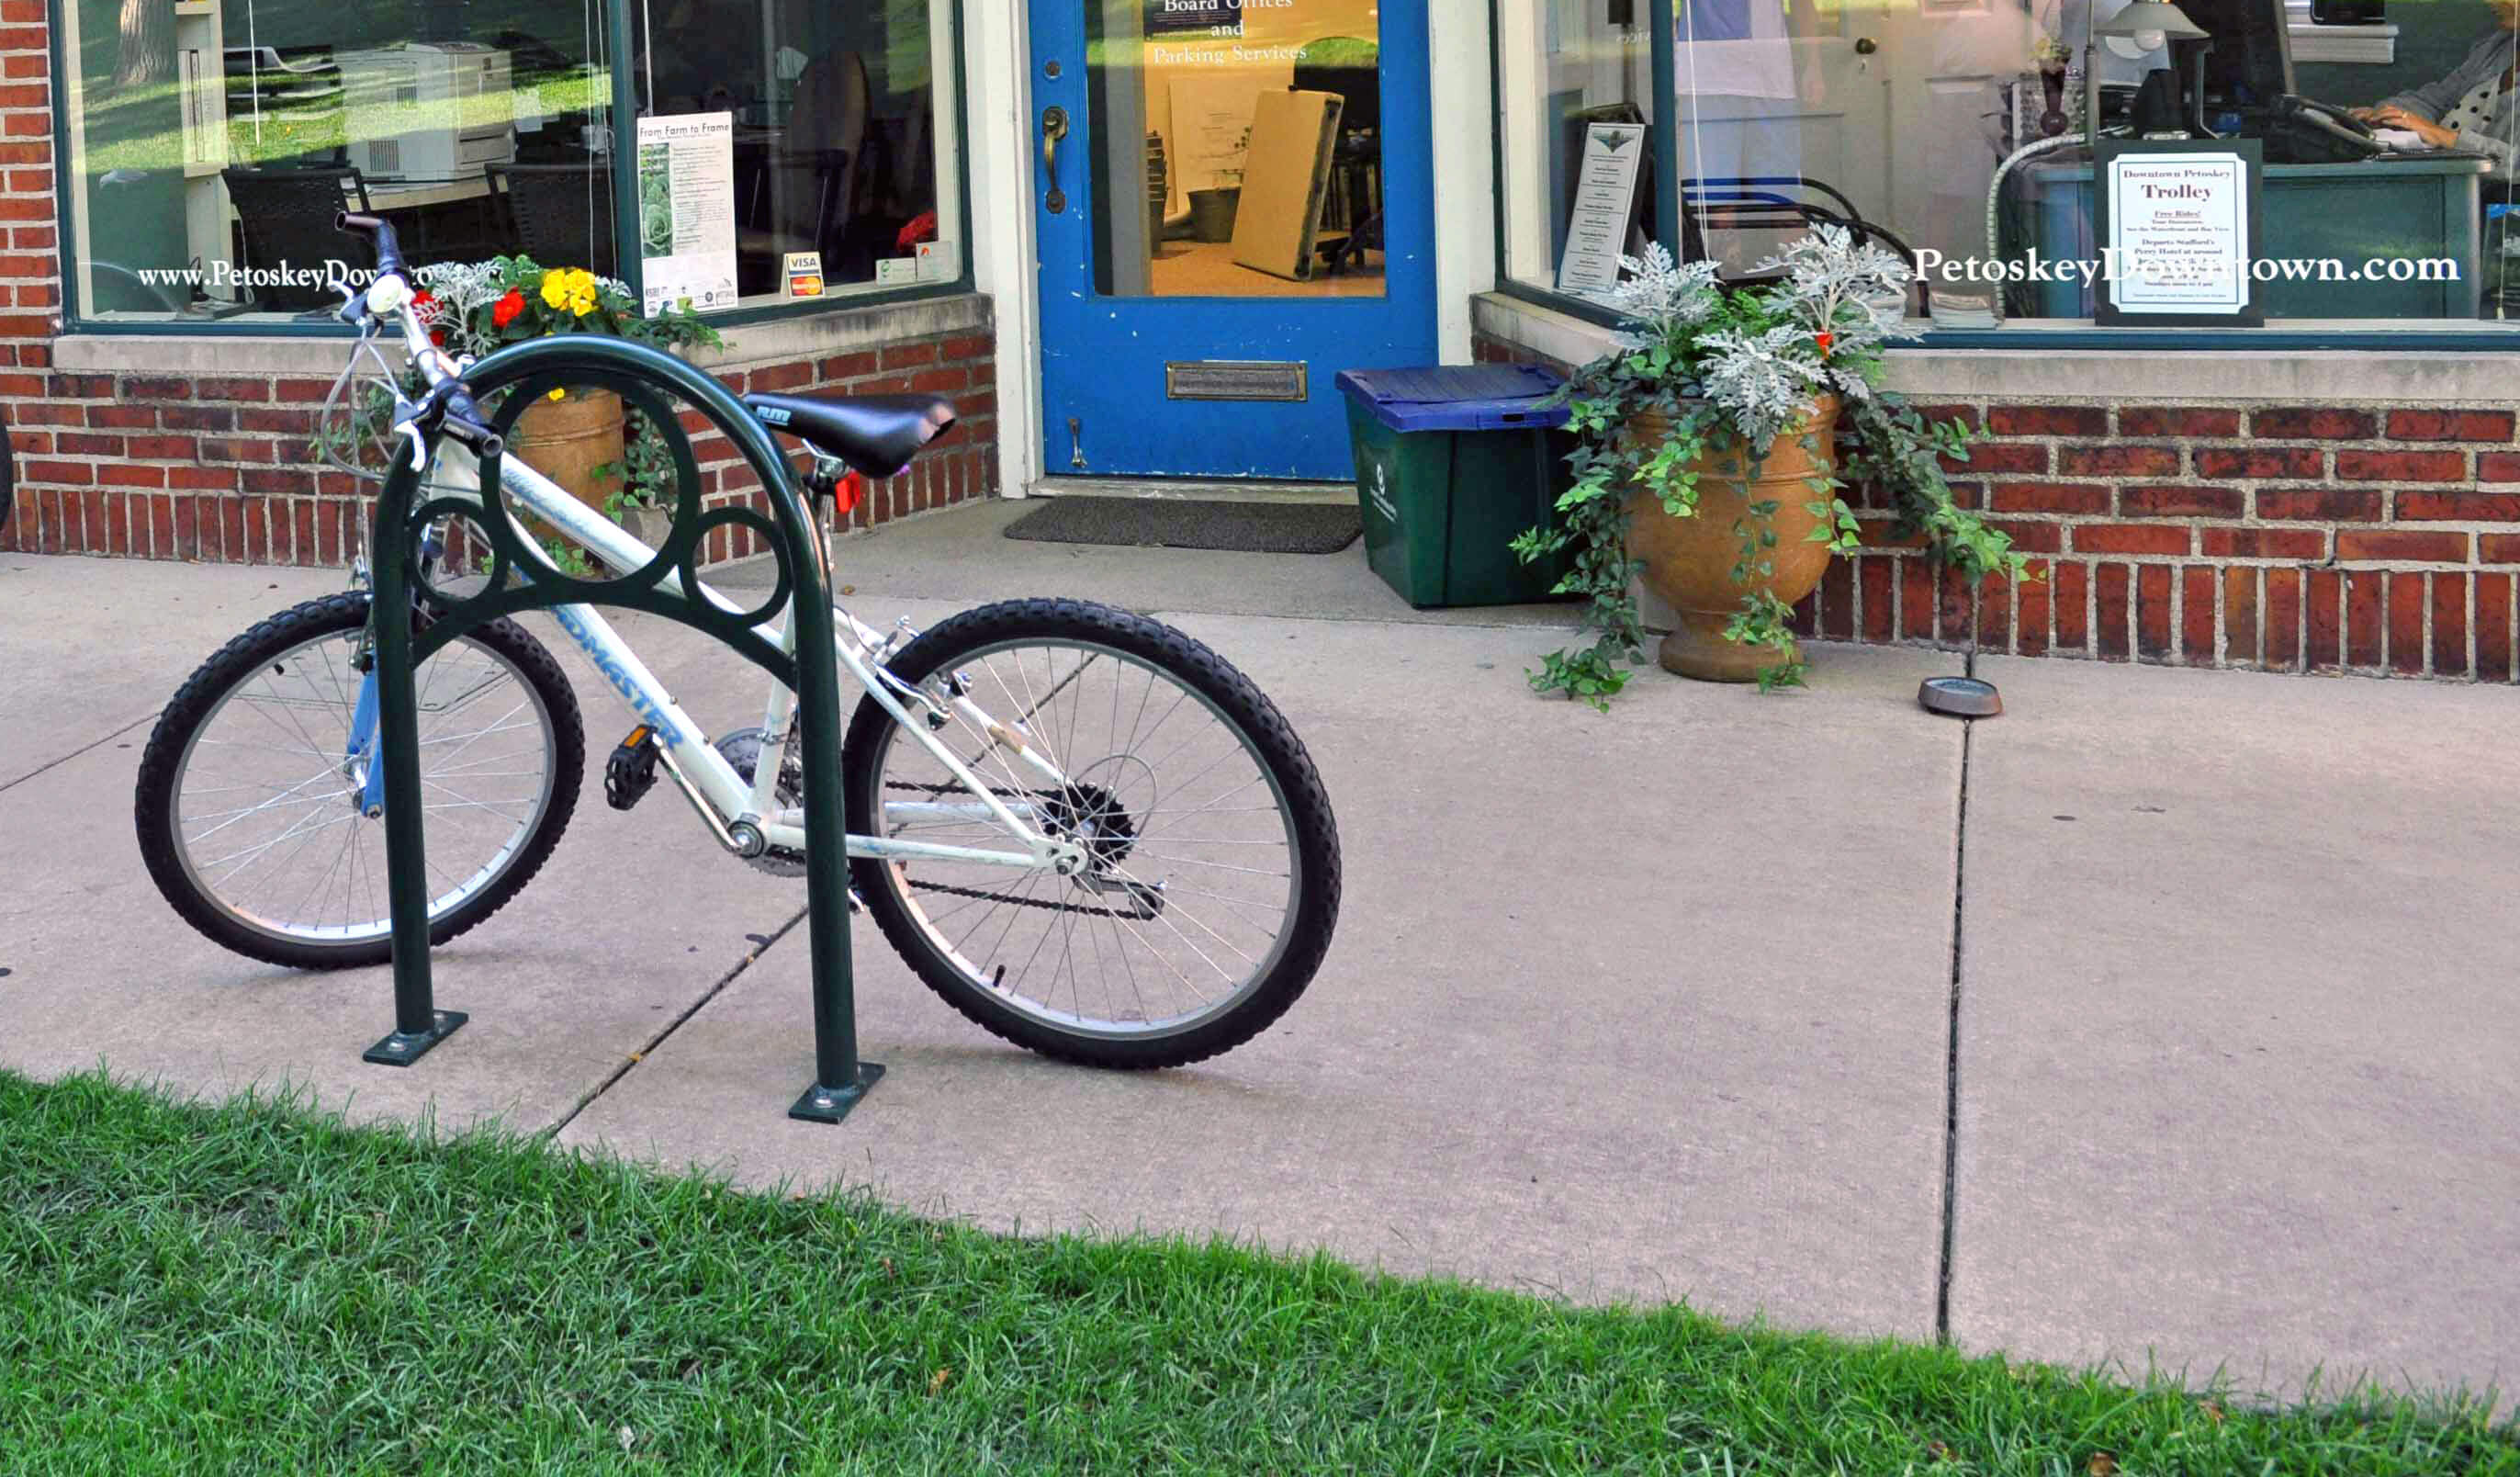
(1212, 878)
(247, 805)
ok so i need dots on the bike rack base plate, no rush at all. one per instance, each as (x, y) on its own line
(827, 1105)
(403, 1048)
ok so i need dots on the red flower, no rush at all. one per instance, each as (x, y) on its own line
(505, 310)
(1823, 340)
(921, 227)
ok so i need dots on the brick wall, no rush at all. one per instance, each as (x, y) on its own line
(2380, 539)
(219, 468)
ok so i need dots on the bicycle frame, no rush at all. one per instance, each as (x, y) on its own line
(746, 818)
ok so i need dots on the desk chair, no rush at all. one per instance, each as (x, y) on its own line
(807, 193)
(1779, 203)
(287, 216)
(558, 215)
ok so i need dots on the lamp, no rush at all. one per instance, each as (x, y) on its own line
(2150, 24)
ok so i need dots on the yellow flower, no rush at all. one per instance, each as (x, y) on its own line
(581, 303)
(559, 393)
(554, 288)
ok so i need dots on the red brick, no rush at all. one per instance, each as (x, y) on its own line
(2320, 504)
(968, 346)
(197, 418)
(2431, 546)
(187, 530)
(162, 524)
(236, 449)
(118, 524)
(157, 388)
(162, 448)
(776, 379)
(1837, 600)
(2283, 619)
(2110, 601)
(2316, 422)
(2048, 497)
(2326, 598)
(848, 366)
(2176, 421)
(232, 388)
(2259, 462)
(2450, 426)
(79, 472)
(283, 421)
(2262, 543)
(125, 474)
(944, 380)
(2072, 606)
(257, 532)
(1995, 613)
(73, 443)
(2000, 456)
(2405, 621)
(908, 355)
(2241, 615)
(2365, 617)
(2038, 593)
(2498, 548)
(2117, 459)
(1874, 576)
(79, 387)
(1954, 611)
(128, 417)
(2450, 625)
(2152, 612)
(222, 478)
(2181, 500)
(2463, 506)
(2402, 466)
(2128, 538)
(2498, 467)
(1916, 600)
(2196, 622)
(2049, 420)
(2493, 627)
(2031, 537)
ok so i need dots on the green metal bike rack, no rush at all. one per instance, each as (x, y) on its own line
(522, 374)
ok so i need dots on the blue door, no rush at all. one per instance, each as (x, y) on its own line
(1234, 202)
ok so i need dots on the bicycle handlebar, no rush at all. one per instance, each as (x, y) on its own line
(377, 230)
(449, 401)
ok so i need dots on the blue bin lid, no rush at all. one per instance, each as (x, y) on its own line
(1457, 396)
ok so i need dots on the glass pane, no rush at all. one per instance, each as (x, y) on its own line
(1591, 66)
(1956, 130)
(212, 142)
(835, 112)
(1234, 148)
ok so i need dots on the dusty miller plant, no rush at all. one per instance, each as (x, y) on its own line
(1733, 369)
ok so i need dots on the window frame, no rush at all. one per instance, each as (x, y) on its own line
(1514, 112)
(68, 206)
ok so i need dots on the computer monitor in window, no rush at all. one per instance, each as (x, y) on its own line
(2248, 64)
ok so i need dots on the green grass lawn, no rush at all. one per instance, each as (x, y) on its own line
(256, 1288)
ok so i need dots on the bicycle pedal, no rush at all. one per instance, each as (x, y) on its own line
(631, 772)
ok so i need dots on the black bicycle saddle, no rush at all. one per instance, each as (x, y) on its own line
(878, 434)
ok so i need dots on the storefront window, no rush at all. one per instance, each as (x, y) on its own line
(212, 141)
(1587, 68)
(1955, 131)
(1234, 148)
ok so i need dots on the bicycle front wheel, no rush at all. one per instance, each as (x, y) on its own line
(1211, 883)
(248, 804)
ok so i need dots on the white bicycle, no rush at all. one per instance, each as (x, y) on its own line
(1082, 828)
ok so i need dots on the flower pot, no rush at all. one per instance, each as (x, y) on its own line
(649, 525)
(1212, 212)
(576, 442)
(1689, 561)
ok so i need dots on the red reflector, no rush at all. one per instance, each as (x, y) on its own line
(845, 496)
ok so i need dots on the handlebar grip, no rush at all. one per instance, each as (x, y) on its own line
(464, 421)
(379, 231)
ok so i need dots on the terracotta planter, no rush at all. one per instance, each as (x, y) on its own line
(1689, 561)
(569, 440)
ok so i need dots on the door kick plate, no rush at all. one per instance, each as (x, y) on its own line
(1235, 379)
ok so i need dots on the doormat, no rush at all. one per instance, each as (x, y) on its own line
(1190, 523)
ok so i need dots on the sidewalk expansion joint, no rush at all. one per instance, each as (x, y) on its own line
(760, 946)
(1951, 1042)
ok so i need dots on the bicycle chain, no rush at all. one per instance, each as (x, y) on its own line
(1141, 915)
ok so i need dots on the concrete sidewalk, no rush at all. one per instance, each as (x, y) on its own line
(2216, 962)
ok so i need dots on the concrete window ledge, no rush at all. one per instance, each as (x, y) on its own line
(2411, 374)
(806, 335)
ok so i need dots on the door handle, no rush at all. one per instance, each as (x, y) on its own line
(1053, 127)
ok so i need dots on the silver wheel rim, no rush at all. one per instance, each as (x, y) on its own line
(265, 820)
(1210, 832)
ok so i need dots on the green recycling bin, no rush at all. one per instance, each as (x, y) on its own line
(1451, 463)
